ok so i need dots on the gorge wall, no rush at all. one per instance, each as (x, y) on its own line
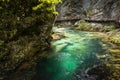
(92, 9)
(25, 33)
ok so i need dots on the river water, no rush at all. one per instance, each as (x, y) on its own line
(72, 56)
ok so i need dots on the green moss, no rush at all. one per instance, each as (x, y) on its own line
(114, 50)
(1, 42)
(115, 39)
(108, 28)
(84, 26)
(0, 7)
(24, 31)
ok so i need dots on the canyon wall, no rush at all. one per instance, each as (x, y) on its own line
(91, 9)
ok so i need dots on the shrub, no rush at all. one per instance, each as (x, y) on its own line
(82, 25)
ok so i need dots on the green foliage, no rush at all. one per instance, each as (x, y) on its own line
(83, 25)
(46, 5)
(108, 28)
(50, 5)
(115, 39)
(19, 18)
(0, 7)
(89, 12)
(19, 8)
(25, 27)
(16, 15)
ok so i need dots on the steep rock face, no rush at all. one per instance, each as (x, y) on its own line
(24, 47)
(93, 9)
(24, 34)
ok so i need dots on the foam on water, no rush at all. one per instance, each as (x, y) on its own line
(75, 53)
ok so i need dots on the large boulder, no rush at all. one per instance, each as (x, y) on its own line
(25, 28)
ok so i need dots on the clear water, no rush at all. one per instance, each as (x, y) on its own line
(71, 57)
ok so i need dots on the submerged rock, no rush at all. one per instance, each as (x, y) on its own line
(57, 36)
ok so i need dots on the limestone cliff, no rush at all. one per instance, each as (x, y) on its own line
(92, 9)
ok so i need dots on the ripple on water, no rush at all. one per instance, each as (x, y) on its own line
(74, 55)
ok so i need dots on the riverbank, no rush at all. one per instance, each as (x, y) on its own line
(112, 38)
(109, 34)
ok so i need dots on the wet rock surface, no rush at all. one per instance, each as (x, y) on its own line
(24, 35)
(23, 50)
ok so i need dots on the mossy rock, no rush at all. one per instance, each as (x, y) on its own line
(25, 29)
(114, 51)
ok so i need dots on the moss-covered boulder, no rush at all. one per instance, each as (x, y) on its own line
(25, 27)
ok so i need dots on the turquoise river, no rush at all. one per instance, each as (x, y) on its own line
(72, 56)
